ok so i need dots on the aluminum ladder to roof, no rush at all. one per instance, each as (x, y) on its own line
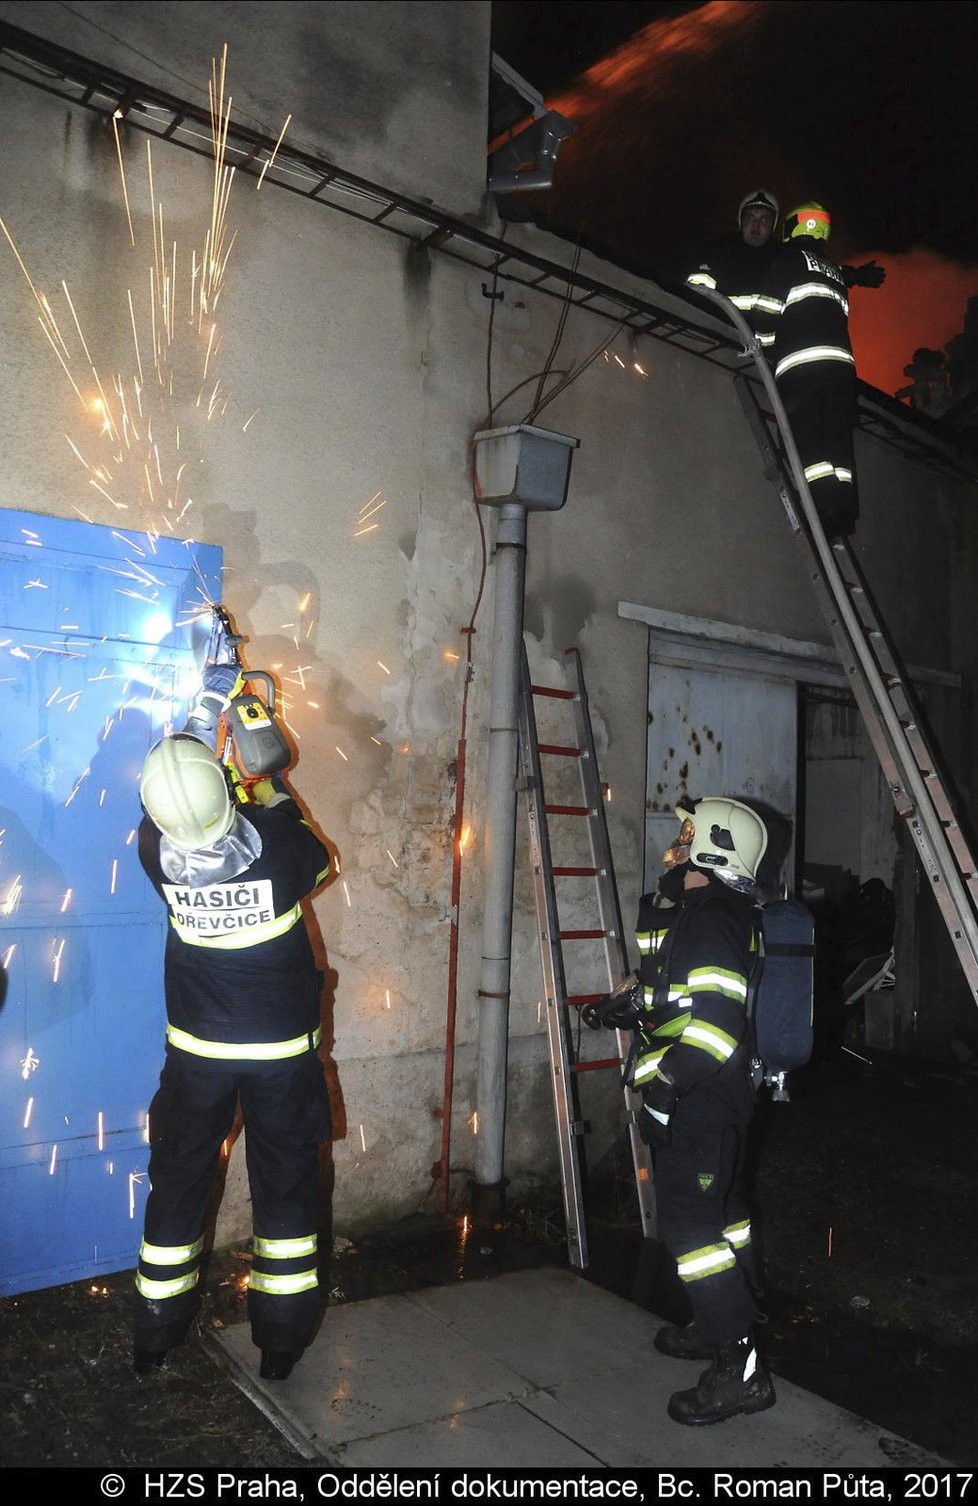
(560, 1005)
(879, 681)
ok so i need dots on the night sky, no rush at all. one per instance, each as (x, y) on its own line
(870, 108)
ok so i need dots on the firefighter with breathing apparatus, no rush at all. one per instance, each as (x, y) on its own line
(698, 939)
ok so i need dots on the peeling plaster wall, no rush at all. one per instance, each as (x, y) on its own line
(356, 366)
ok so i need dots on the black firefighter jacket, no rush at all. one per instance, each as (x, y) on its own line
(694, 1029)
(240, 977)
(738, 271)
(802, 315)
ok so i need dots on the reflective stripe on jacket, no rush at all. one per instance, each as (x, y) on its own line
(803, 315)
(240, 977)
(697, 1023)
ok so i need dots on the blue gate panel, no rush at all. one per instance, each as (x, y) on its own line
(102, 637)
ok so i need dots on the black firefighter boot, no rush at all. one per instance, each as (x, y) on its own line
(682, 1343)
(736, 1382)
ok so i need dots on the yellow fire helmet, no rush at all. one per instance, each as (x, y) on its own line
(184, 793)
(808, 219)
(727, 838)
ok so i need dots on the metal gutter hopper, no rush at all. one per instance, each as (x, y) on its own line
(524, 465)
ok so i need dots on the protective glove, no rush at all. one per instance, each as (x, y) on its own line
(223, 679)
(655, 1115)
(270, 792)
(869, 275)
(219, 683)
(619, 1010)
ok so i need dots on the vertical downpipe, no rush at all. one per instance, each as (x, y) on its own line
(507, 648)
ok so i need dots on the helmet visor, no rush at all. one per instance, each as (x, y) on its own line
(678, 852)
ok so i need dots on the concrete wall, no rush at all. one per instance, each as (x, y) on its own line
(354, 366)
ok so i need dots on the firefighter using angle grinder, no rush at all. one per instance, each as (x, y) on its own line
(693, 1070)
(232, 858)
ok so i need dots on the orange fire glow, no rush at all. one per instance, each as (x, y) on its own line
(922, 302)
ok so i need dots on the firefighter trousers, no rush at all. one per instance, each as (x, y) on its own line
(285, 1106)
(820, 401)
(704, 1221)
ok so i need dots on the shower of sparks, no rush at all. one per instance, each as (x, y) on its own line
(244, 426)
(274, 152)
(347, 893)
(78, 784)
(30, 746)
(101, 1130)
(387, 997)
(341, 753)
(451, 655)
(8, 954)
(66, 901)
(134, 1177)
(53, 1162)
(303, 602)
(28, 1112)
(376, 740)
(363, 516)
(11, 899)
(361, 531)
(115, 870)
(57, 948)
(363, 1141)
(29, 1064)
(383, 667)
(122, 172)
(474, 1122)
(465, 837)
(393, 858)
(121, 413)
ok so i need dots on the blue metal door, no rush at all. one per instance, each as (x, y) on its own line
(99, 651)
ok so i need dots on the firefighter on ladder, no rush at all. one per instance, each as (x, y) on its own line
(242, 999)
(802, 323)
(737, 266)
(698, 943)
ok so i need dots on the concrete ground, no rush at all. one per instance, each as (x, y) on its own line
(536, 1369)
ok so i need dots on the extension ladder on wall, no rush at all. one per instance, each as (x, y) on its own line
(561, 1006)
(880, 683)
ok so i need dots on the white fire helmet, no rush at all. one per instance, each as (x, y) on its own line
(185, 793)
(759, 198)
(728, 839)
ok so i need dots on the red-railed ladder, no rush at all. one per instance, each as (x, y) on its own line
(562, 1006)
